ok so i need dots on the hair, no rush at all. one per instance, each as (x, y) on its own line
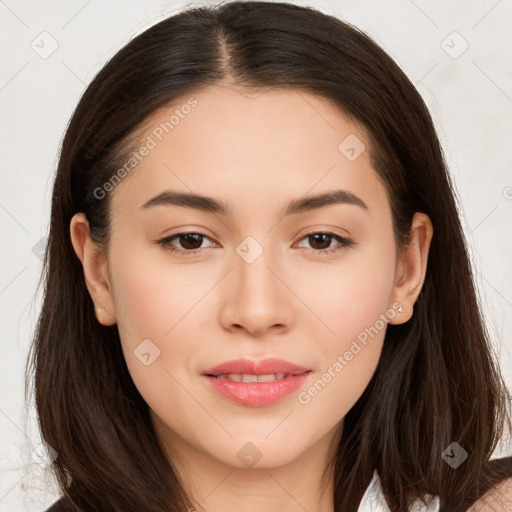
(437, 381)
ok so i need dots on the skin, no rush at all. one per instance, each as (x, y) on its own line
(214, 306)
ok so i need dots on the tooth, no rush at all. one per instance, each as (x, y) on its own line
(247, 377)
(266, 378)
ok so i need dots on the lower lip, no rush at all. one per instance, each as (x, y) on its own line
(257, 394)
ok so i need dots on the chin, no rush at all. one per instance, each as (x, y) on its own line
(256, 452)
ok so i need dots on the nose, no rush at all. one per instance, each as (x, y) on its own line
(256, 298)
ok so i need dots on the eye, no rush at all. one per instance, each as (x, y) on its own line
(191, 242)
(320, 242)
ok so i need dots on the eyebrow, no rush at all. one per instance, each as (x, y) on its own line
(210, 205)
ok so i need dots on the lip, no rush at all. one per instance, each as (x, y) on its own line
(256, 394)
(263, 367)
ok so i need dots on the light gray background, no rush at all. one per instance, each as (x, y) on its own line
(468, 93)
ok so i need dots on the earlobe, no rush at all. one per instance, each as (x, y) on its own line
(411, 267)
(94, 263)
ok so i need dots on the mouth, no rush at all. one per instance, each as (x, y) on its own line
(256, 384)
(251, 377)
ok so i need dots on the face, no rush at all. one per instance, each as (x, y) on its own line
(314, 286)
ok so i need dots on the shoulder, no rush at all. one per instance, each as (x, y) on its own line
(497, 499)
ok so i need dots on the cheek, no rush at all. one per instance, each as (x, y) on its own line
(153, 298)
(350, 295)
(352, 302)
(155, 302)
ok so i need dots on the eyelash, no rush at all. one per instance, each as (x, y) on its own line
(343, 242)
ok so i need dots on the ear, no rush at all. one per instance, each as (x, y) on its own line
(94, 262)
(411, 268)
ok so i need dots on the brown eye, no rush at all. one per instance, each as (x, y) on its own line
(189, 242)
(321, 242)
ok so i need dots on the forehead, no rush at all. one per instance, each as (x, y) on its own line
(249, 147)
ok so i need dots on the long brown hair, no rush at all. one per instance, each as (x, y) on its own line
(437, 381)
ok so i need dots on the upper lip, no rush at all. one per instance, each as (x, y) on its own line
(263, 367)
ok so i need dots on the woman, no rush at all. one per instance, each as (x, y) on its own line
(326, 339)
